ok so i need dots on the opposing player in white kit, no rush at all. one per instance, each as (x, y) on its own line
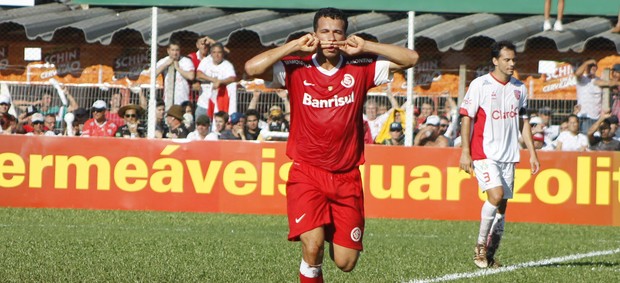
(495, 102)
(327, 90)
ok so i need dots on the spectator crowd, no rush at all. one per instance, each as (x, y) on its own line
(212, 115)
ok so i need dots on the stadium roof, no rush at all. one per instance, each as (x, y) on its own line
(444, 31)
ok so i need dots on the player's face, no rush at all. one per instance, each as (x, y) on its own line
(327, 30)
(506, 61)
(174, 51)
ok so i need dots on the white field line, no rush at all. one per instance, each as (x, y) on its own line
(484, 272)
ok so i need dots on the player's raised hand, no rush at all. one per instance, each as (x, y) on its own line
(308, 43)
(353, 45)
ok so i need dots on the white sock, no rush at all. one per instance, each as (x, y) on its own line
(487, 215)
(309, 271)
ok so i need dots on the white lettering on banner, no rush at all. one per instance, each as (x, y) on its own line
(561, 84)
(65, 61)
(335, 101)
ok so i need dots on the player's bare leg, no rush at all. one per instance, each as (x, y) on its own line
(495, 234)
(487, 215)
(312, 248)
(344, 258)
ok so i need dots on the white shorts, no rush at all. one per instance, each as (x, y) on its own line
(493, 174)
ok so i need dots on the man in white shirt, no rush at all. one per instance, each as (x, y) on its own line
(492, 109)
(178, 71)
(219, 92)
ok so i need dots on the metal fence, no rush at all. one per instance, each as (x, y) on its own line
(110, 63)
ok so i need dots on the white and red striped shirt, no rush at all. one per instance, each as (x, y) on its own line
(495, 108)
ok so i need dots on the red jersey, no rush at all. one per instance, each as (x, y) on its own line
(92, 129)
(327, 128)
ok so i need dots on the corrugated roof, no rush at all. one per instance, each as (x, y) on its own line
(101, 25)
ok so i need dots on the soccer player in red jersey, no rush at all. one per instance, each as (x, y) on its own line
(327, 90)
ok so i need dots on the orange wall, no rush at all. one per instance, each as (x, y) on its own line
(247, 177)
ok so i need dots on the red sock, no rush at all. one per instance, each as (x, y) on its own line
(304, 279)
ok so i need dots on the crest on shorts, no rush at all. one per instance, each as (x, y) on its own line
(517, 94)
(356, 234)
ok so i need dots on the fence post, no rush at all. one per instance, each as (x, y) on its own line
(150, 130)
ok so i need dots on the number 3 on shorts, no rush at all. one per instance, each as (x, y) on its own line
(486, 176)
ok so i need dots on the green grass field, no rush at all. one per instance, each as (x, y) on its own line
(61, 245)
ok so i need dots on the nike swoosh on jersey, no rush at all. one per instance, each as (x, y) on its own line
(307, 83)
(297, 220)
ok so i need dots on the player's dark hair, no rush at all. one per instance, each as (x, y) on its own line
(333, 13)
(498, 46)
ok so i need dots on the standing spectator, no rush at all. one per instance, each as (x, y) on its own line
(326, 142)
(174, 119)
(252, 129)
(444, 125)
(112, 114)
(572, 139)
(202, 44)
(132, 128)
(557, 26)
(589, 93)
(605, 140)
(203, 124)
(98, 126)
(614, 89)
(551, 131)
(38, 121)
(491, 146)
(278, 127)
(396, 115)
(427, 108)
(376, 121)
(396, 135)
(220, 73)
(177, 71)
(430, 134)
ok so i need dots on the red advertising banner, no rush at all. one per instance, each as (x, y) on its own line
(250, 177)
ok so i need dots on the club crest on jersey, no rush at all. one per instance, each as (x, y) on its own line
(348, 81)
(518, 94)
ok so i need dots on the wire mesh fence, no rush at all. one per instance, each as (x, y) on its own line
(91, 61)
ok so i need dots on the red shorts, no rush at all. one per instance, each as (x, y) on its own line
(316, 198)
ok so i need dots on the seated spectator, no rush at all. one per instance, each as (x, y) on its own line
(278, 127)
(572, 139)
(50, 124)
(132, 128)
(38, 121)
(219, 125)
(397, 115)
(188, 117)
(444, 125)
(203, 124)
(396, 135)
(174, 118)
(9, 122)
(24, 124)
(252, 129)
(237, 130)
(98, 126)
(429, 134)
(604, 141)
(161, 128)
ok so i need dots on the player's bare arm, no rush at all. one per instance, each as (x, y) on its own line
(401, 58)
(526, 133)
(261, 63)
(466, 162)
